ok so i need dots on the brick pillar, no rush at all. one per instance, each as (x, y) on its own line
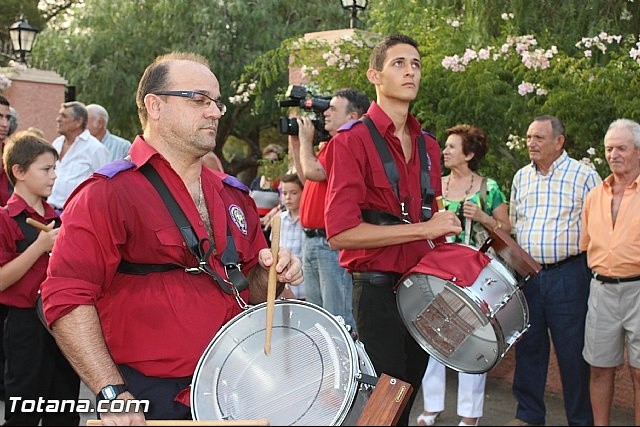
(36, 95)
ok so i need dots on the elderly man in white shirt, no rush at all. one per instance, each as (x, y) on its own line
(97, 126)
(80, 154)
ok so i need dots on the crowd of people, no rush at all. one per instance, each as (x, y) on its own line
(135, 284)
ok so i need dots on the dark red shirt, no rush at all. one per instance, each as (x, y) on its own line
(357, 181)
(158, 323)
(312, 200)
(4, 180)
(24, 292)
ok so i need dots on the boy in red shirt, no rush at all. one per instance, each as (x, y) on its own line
(35, 367)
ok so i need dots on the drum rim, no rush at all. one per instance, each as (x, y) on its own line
(351, 387)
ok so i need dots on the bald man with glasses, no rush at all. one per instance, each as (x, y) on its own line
(132, 302)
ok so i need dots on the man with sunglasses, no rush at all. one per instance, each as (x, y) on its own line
(131, 300)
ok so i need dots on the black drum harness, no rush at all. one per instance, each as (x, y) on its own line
(200, 249)
(427, 193)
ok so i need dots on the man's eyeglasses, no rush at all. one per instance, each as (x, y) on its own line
(200, 99)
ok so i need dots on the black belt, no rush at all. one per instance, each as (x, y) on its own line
(559, 263)
(379, 278)
(315, 232)
(605, 279)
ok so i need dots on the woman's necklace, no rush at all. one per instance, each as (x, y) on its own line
(466, 192)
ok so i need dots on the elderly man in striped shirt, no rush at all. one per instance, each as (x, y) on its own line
(546, 204)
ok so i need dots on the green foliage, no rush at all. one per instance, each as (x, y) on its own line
(519, 76)
(102, 48)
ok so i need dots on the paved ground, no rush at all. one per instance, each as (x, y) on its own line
(499, 406)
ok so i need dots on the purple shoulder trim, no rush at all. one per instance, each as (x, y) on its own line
(111, 169)
(424, 132)
(348, 125)
(232, 181)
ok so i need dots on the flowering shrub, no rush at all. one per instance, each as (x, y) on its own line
(499, 82)
(502, 86)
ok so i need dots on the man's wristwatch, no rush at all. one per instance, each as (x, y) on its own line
(110, 392)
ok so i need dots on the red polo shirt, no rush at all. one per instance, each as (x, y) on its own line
(4, 180)
(357, 181)
(312, 200)
(158, 323)
(24, 292)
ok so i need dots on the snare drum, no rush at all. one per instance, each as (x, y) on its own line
(463, 307)
(311, 376)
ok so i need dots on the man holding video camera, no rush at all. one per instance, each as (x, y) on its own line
(327, 283)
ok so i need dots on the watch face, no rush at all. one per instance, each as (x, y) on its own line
(109, 393)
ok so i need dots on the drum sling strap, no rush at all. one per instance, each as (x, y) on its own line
(30, 236)
(427, 193)
(30, 233)
(236, 280)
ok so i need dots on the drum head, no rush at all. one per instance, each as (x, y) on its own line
(450, 322)
(309, 378)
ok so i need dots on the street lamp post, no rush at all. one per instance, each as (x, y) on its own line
(354, 6)
(22, 36)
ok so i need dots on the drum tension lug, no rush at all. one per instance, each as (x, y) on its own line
(367, 379)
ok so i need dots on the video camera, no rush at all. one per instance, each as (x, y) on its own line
(299, 97)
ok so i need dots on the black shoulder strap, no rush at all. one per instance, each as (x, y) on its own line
(174, 209)
(30, 233)
(383, 151)
(392, 171)
(428, 193)
(229, 257)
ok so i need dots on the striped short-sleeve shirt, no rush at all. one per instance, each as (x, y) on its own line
(545, 210)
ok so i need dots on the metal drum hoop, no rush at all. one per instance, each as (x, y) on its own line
(294, 322)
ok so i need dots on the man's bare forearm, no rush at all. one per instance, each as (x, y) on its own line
(80, 338)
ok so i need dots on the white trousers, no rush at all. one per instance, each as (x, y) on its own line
(470, 390)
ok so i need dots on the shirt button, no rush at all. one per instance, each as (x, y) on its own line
(200, 223)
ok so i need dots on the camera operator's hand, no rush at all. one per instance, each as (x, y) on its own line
(306, 131)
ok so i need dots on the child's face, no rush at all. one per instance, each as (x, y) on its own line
(40, 175)
(291, 193)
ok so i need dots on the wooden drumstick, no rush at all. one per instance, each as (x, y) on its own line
(440, 203)
(37, 224)
(271, 284)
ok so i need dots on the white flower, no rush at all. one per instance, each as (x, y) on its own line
(5, 82)
(591, 151)
(540, 91)
(525, 88)
(587, 54)
(484, 54)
